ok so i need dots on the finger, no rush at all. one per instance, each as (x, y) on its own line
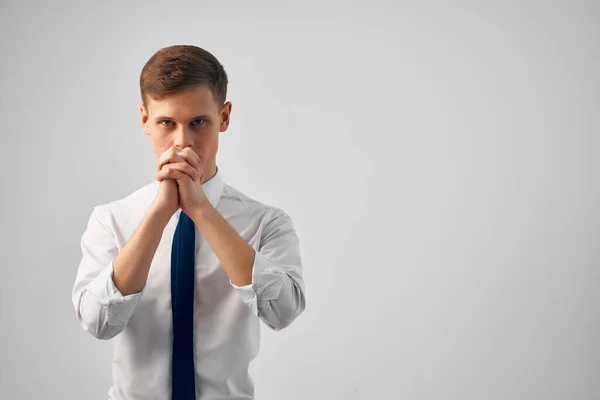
(169, 156)
(177, 176)
(166, 154)
(200, 163)
(184, 167)
(192, 158)
(170, 173)
(195, 155)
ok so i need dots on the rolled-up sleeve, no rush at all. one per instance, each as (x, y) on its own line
(100, 307)
(277, 292)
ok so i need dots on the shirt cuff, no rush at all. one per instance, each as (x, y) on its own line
(119, 308)
(267, 280)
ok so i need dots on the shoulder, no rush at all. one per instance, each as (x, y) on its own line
(234, 198)
(269, 218)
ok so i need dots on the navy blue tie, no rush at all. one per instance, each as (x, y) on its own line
(182, 304)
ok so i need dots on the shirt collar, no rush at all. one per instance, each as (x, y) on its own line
(214, 187)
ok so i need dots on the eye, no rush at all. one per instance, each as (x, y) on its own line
(199, 119)
(165, 120)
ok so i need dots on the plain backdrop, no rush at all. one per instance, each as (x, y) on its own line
(440, 161)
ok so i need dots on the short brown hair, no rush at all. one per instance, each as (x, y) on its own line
(177, 67)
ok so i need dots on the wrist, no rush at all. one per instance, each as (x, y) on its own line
(201, 210)
(160, 215)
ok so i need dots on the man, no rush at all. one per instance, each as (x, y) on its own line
(181, 271)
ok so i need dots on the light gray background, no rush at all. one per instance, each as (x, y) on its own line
(440, 162)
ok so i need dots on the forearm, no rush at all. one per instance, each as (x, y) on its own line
(272, 287)
(132, 264)
(235, 254)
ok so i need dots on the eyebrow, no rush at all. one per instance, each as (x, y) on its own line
(161, 117)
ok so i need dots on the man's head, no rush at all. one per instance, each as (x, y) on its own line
(183, 90)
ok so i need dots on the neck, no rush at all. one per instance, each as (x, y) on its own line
(209, 173)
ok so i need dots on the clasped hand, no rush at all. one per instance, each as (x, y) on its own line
(186, 168)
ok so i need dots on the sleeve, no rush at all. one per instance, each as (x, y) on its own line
(277, 292)
(100, 307)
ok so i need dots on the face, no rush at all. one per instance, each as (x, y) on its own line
(189, 118)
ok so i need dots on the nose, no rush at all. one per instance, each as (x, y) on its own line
(184, 137)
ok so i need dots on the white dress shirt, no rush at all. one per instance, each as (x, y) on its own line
(226, 317)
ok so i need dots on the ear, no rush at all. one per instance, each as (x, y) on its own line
(144, 114)
(225, 116)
